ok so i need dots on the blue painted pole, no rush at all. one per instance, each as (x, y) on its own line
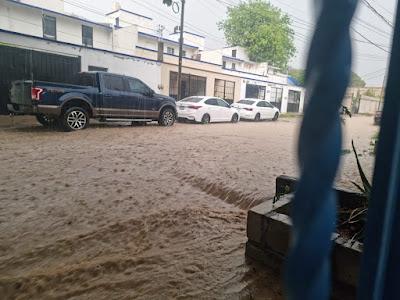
(314, 205)
(380, 272)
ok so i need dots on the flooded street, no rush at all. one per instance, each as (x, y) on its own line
(144, 212)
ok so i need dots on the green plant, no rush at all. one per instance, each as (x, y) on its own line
(366, 186)
(352, 221)
(262, 29)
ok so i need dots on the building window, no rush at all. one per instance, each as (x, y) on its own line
(170, 50)
(255, 91)
(191, 85)
(224, 89)
(117, 21)
(183, 53)
(276, 97)
(293, 101)
(97, 69)
(233, 66)
(224, 64)
(87, 36)
(234, 53)
(49, 27)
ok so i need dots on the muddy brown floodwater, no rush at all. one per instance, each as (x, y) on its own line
(121, 212)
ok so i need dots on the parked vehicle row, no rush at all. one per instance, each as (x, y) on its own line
(111, 97)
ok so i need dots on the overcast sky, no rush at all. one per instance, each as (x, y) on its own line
(201, 16)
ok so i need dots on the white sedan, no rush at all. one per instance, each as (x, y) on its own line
(256, 109)
(206, 109)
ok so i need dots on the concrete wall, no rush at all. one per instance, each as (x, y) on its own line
(148, 71)
(368, 105)
(17, 18)
(57, 5)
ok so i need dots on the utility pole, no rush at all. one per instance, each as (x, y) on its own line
(181, 50)
(382, 93)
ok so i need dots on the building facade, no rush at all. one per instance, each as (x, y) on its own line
(132, 44)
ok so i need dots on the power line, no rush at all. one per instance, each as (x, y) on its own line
(369, 5)
(368, 40)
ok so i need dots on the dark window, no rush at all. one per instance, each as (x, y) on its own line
(261, 104)
(136, 86)
(97, 69)
(86, 79)
(293, 101)
(117, 21)
(191, 85)
(212, 101)
(49, 27)
(222, 103)
(183, 53)
(233, 66)
(268, 105)
(276, 97)
(255, 91)
(248, 102)
(225, 90)
(115, 83)
(170, 50)
(87, 36)
(224, 64)
(234, 53)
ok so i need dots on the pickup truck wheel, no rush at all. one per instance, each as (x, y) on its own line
(45, 120)
(75, 118)
(167, 117)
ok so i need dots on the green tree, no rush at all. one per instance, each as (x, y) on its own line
(356, 80)
(262, 29)
(298, 74)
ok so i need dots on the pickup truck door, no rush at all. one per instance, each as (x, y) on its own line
(116, 98)
(139, 93)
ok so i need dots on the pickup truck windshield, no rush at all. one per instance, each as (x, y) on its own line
(86, 79)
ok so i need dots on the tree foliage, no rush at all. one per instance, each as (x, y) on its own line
(298, 74)
(356, 80)
(262, 29)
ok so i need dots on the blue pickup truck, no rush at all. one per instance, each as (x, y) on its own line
(100, 95)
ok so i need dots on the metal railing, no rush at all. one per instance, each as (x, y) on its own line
(314, 205)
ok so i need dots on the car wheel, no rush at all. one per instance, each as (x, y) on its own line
(167, 117)
(276, 116)
(257, 117)
(45, 120)
(235, 118)
(75, 118)
(205, 119)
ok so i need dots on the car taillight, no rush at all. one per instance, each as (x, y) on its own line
(249, 109)
(35, 93)
(194, 106)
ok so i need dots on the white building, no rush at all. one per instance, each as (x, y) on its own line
(260, 80)
(133, 44)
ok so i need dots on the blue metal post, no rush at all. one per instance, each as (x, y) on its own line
(314, 204)
(380, 272)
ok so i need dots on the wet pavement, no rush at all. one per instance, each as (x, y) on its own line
(144, 212)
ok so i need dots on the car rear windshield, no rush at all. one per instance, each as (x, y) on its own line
(248, 102)
(192, 99)
(86, 79)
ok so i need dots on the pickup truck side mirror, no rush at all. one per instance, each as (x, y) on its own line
(150, 93)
